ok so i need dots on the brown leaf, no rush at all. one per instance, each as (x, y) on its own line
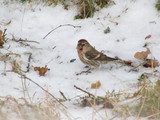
(148, 36)
(142, 55)
(42, 70)
(95, 85)
(108, 105)
(151, 63)
(1, 34)
(1, 39)
(129, 62)
(87, 102)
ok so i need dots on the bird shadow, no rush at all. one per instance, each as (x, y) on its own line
(88, 71)
(109, 67)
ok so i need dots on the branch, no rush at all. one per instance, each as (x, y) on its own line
(63, 95)
(59, 27)
(90, 94)
(21, 40)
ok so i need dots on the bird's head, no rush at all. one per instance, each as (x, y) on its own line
(83, 45)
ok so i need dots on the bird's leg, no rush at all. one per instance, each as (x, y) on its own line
(86, 71)
(88, 68)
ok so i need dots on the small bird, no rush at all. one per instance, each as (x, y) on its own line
(90, 56)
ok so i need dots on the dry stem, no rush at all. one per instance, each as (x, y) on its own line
(59, 27)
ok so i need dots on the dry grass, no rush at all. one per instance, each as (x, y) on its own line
(20, 109)
(149, 102)
(145, 103)
(85, 8)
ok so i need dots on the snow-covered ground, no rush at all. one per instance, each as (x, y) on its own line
(136, 19)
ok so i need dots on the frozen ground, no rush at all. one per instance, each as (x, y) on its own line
(136, 19)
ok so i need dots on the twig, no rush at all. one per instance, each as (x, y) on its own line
(43, 89)
(116, 23)
(8, 54)
(4, 34)
(21, 40)
(59, 27)
(90, 94)
(63, 95)
(29, 60)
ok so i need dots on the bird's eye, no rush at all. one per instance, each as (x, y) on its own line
(83, 44)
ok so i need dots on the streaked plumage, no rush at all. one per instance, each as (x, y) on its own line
(90, 56)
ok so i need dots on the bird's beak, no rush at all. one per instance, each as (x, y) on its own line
(80, 47)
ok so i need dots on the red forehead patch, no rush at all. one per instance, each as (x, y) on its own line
(82, 41)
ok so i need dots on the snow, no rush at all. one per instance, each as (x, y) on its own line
(138, 19)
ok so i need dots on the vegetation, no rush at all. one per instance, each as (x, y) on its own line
(146, 99)
(149, 102)
(21, 109)
(158, 5)
(86, 8)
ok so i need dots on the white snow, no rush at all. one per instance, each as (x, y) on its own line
(33, 22)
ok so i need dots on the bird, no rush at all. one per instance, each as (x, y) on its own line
(90, 56)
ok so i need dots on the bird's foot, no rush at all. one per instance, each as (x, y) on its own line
(85, 71)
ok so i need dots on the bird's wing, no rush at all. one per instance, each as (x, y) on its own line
(92, 55)
(105, 57)
(98, 56)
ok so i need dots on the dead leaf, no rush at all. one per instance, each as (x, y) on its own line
(151, 63)
(90, 101)
(42, 70)
(142, 55)
(1, 34)
(95, 85)
(108, 105)
(129, 62)
(87, 102)
(126, 62)
(148, 36)
(1, 39)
